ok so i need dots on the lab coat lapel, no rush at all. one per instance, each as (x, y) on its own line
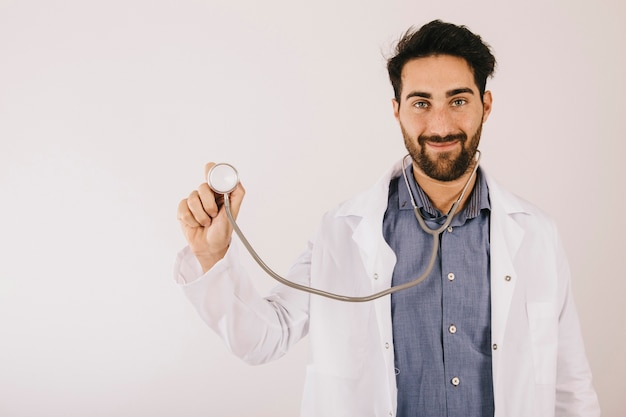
(506, 237)
(368, 210)
(379, 261)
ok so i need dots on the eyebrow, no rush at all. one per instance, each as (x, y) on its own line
(459, 91)
(448, 93)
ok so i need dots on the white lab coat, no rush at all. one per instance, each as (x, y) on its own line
(539, 363)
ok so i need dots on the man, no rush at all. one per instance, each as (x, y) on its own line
(492, 331)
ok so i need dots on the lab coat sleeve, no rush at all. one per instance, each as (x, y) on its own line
(256, 329)
(575, 395)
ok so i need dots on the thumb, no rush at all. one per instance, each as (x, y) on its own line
(236, 198)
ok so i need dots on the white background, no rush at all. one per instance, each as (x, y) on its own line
(109, 110)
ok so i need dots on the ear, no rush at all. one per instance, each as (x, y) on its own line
(396, 108)
(487, 102)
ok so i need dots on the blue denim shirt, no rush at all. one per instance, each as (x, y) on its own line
(441, 327)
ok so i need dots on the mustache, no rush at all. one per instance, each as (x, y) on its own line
(439, 139)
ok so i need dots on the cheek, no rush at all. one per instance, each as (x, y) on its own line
(469, 123)
(413, 122)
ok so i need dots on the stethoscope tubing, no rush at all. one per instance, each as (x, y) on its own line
(435, 233)
(323, 293)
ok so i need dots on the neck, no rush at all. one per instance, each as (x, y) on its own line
(443, 194)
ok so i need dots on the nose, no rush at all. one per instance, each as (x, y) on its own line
(440, 122)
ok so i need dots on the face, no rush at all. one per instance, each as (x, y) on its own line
(441, 115)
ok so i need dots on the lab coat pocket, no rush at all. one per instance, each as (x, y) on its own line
(544, 328)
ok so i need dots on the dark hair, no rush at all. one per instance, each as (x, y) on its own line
(440, 38)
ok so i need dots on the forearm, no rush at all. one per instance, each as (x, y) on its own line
(255, 328)
(575, 394)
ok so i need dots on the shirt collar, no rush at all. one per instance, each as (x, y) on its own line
(478, 199)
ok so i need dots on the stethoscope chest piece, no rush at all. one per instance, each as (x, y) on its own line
(223, 178)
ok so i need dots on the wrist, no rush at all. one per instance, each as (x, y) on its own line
(208, 260)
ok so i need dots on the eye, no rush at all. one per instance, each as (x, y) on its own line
(457, 102)
(421, 104)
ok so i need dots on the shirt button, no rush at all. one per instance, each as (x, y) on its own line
(495, 346)
(507, 278)
(455, 381)
(451, 276)
(387, 345)
(452, 329)
(450, 229)
(375, 276)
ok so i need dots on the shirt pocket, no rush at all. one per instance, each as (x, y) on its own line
(543, 325)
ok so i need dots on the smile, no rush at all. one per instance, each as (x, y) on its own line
(442, 146)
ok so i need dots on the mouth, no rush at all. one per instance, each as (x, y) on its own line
(442, 146)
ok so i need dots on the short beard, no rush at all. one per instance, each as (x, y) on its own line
(445, 167)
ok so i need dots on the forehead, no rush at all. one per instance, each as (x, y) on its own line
(437, 73)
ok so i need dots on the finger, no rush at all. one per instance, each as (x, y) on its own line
(207, 168)
(183, 214)
(197, 209)
(208, 199)
(236, 198)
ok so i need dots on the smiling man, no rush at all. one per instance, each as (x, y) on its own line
(491, 331)
(438, 117)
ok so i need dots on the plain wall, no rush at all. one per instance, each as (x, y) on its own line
(109, 110)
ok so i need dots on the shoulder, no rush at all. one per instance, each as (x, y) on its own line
(365, 209)
(507, 205)
(372, 200)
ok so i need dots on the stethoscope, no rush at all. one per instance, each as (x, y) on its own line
(223, 179)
